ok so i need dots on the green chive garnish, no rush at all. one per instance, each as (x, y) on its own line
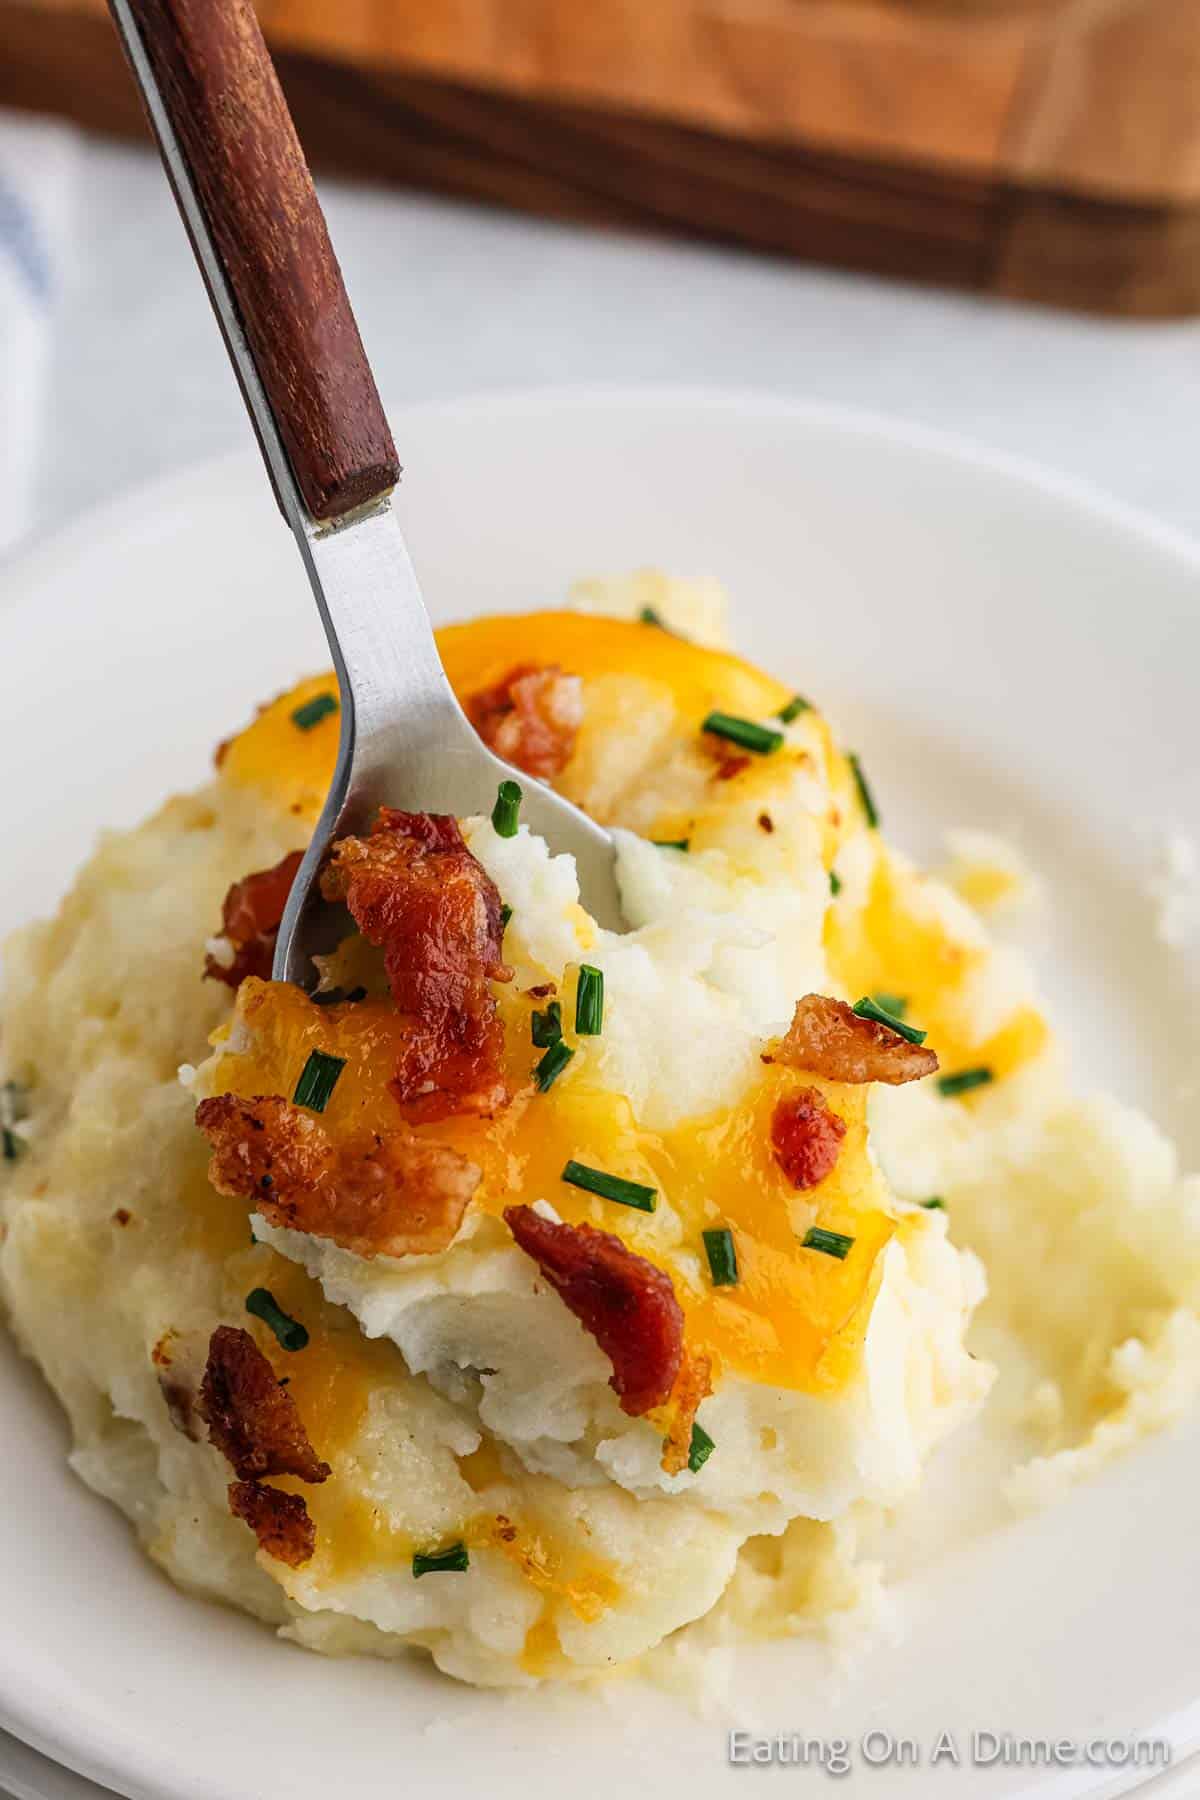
(835, 883)
(671, 843)
(743, 732)
(832, 1243)
(701, 1448)
(12, 1144)
(454, 1561)
(507, 809)
(795, 706)
(610, 1187)
(313, 711)
(722, 1256)
(290, 1332)
(935, 1203)
(866, 1008)
(552, 1065)
(505, 916)
(896, 1004)
(864, 792)
(589, 1001)
(545, 1028)
(318, 1078)
(964, 1081)
(648, 616)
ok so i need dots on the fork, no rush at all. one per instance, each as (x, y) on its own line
(244, 191)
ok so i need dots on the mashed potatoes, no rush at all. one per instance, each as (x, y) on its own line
(465, 1465)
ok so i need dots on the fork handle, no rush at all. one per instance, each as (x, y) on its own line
(247, 199)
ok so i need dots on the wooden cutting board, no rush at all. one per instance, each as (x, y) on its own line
(1044, 149)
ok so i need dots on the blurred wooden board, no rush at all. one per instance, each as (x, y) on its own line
(1044, 149)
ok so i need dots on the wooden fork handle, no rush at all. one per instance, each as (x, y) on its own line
(217, 87)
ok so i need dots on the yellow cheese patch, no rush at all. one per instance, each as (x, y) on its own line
(293, 766)
(894, 946)
(796, 1317)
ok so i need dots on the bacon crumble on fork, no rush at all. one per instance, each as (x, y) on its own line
(531, 717)
(250, 918)
(625, 1302)
(392, 1194)
(415, 890)
(806, 1137)
(828, 1038)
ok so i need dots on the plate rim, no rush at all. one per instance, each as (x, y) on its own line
(56, 540)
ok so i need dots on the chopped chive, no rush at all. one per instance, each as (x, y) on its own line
(313, 711)
(545, 1028)
(648, 616)
(864, 793)
(935, 1203)
(290, 1332)
(866, 1008)
(337, 996)
(744, 732)
(722, 1256)
(454, 1561)
(507, 809)
(835, 883)
(701, 1448)
(832, 1243)
(318, 1078)
(552, 1065)
(589, 1001)
(12, 1144)
(964, 1081)
(610, 1187)
(671, 843)
(896, 1004)
(795, 706)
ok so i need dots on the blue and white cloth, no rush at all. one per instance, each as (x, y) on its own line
(38, 163)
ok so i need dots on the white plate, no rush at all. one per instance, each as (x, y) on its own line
(1005, 651)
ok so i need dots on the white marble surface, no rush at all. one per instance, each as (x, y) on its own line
(455, 297)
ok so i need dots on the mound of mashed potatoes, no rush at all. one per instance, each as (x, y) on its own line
(530, 1293)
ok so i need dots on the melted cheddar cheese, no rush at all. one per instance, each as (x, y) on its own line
(796, 1318)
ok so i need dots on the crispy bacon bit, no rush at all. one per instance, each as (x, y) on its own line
(250, 919)
(806, 1136)
(729, 760)
(531, 718)
(766, 822)
(693, 1382)
(122, 1216)
(414, 888)
(397, 1195)
(253, 1421)
(826, 1037)
(279, 1521)
(627, 1304)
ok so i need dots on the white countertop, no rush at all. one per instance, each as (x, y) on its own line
(454, 297)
